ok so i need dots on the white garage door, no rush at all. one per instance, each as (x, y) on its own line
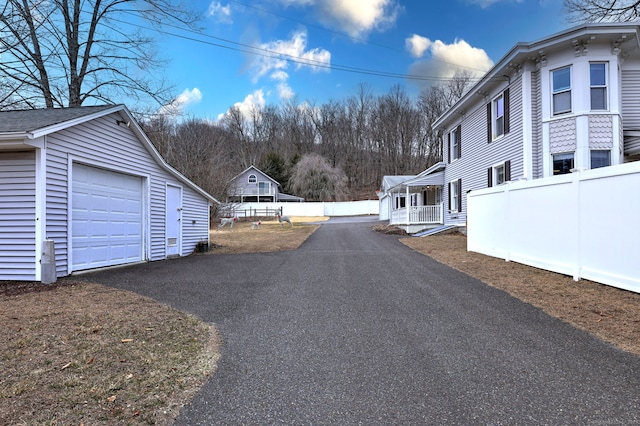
(106, 218)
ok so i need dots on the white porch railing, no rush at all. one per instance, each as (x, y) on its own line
(418, 215)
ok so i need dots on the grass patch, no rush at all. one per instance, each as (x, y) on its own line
(86, 354)
(270, 236)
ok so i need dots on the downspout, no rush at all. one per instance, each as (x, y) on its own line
(527, 123)
(40, 209)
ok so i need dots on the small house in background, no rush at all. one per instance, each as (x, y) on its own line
(255, 186)
(86, 187)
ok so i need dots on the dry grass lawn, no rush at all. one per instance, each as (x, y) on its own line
(611, 314)
(87, 354)
(269, 237)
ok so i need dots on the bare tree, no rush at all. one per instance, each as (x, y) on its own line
(314, 179)
(433, 102)
(602, 10)
(57, 53)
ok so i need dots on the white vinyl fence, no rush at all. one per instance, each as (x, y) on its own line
(584, 224)
(347, 208)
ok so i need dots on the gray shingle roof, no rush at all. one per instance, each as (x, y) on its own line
(35, 119)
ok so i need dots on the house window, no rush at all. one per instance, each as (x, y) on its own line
(253, 179)
(561, 90)
(498, 116)
(598, 78)
(263, 188)
(455, 138)
(499, 174)
(400, 202)
(600, 158)
(562, 163)
(455, 197)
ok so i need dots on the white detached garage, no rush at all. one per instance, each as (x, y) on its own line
(90, 180)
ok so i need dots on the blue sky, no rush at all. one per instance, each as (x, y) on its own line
(244, 55)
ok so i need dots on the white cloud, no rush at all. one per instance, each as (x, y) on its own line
(286, 50)
(187, 97)
(280, 75)
(253, 101)
(446, 59)
(285, 91)
(417, 45)
(220, 13)
(354, 17)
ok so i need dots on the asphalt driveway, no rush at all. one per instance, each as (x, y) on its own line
(356, 328)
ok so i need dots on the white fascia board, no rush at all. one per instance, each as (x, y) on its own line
(20, 140)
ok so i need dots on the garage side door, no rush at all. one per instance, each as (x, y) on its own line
(106, 218)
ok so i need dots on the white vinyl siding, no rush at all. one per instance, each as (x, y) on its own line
(259, 185)
(102, 142)
(479, 155)
(18, 216)
(630, 96)
(536, 123)
(631, 106)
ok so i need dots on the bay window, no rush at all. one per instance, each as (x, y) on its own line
(561, 79)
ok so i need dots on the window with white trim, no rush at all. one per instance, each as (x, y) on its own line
(455, 197)
(499, 173)
(600, 158)
(561, 80)
(498, 116)
(264, 188)
(598, 81)
(562, 163)
(253, 179)
(455, 139)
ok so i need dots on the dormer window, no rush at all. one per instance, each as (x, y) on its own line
(253, 179)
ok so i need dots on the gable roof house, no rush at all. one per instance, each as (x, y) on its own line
(88, 181)
(413, 202)
(253, 185)
(566, 102)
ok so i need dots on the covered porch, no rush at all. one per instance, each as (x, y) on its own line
(416, 203)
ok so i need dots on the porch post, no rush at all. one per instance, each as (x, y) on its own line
(407, 204)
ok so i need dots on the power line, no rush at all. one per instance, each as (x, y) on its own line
(260, 51)
(341, 34)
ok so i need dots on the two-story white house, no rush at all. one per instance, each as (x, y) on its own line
(254, 186)
(569, 101)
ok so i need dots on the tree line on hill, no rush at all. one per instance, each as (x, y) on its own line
(339, 150)
(53, 55)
